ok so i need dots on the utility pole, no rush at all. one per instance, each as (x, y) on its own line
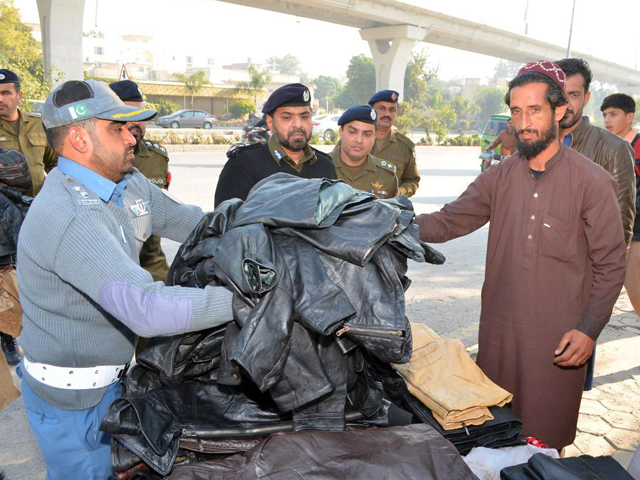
(573, 11)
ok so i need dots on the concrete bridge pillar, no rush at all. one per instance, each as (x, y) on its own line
(61, 26)
(391, 50)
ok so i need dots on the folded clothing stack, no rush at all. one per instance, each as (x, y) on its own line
(443, 376)
(585, 467)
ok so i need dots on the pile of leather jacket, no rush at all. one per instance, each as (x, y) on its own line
(318, 272)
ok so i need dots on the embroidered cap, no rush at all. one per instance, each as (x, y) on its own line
(548, 69)
(74, 101)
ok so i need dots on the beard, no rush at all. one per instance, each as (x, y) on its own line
(570, 118)
(532, 148)
(292, 144)
(137, 133)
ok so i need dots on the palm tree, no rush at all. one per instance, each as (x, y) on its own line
(193, 83)
(257, 82)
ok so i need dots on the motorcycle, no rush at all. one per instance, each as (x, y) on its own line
(489, 158)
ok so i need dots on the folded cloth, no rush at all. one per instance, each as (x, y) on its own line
(585, 467)
(446, 379)
(414, 451)
(486, 463)
(505, 430)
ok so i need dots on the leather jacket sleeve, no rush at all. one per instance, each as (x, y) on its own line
(623, 172)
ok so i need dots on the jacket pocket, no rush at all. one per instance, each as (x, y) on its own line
(558, 238)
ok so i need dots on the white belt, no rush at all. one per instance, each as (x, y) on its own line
(75, 378)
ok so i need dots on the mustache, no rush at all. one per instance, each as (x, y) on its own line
(296, 130)
(386, 116)
(527, 130)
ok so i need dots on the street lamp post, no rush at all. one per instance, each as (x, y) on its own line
(573, 11)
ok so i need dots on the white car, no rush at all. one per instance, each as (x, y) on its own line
(326, 126)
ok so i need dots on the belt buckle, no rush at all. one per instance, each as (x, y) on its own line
(123, 372)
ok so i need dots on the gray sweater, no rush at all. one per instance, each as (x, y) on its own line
(84, 295)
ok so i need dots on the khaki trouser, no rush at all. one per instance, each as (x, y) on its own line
(632, 280)
(443, 376)
(10, 309)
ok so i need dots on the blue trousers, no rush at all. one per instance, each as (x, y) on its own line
(70, 440)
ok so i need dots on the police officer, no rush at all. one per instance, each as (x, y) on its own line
(352, 158)
(288, 114)
(393, 146)
(153, 162)
(23, 132)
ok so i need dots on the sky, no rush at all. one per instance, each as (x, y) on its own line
(232, 33)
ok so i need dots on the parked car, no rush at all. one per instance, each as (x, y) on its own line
(188, 119)
(326, 126)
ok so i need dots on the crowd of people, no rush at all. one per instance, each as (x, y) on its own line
(563, 239)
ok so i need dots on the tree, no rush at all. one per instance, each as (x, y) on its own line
(241, 107)
(20, 53)
(289, 64)
(417, 78)
(257, 82)
(466, 111)
(193, 83)
(327, 89)
(506, 68)
(361, 82)
(490, 100)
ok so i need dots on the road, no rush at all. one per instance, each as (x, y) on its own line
(446, 297)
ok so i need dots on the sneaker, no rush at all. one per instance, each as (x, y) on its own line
(10, 349)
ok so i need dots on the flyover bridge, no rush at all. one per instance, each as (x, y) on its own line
(392, 28)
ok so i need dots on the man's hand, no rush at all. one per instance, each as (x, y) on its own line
(574, 349)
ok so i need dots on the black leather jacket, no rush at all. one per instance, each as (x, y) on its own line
(263, 250)
(15, 180)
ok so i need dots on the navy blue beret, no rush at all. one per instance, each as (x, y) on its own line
(293, 94)
(361, 113)
(385, 96)
(127, 90)
(7, 76)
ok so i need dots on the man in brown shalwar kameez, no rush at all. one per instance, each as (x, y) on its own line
(555, 259)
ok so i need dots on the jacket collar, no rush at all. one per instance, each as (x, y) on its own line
(581, 130)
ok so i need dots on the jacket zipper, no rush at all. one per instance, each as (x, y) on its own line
(371, 331)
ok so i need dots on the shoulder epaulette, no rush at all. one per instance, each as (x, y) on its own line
(238, 148)
(320, 154)
(156, 147)
(33, 114)
(404, 139)
(385, 165)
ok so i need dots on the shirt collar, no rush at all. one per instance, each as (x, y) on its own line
(278, 153)
(101, 186)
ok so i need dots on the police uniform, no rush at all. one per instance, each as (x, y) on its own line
(153, 162)
(376, 176)
(31, 141)
(248, 164)
(398, 149)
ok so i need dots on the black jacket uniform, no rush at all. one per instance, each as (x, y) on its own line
(248, 164)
